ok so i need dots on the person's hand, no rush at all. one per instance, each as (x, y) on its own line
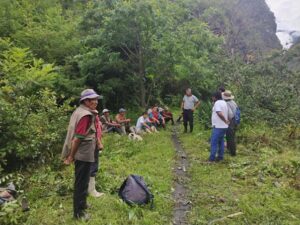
(227, 122)
(69, 160)
(100, 145)
(128, 120)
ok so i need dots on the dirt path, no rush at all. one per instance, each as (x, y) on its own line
(182, 204)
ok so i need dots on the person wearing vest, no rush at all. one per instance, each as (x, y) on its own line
(189, 104)
(230, 133)
(82, 145)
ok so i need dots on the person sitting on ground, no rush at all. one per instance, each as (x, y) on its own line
(167, 115)
(142, 125)
(151, 119)
(108, 124)
(125, 123)
(158, 117)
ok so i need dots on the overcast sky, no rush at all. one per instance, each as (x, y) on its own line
(287, 13)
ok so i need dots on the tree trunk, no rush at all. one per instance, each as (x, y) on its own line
(141, 75)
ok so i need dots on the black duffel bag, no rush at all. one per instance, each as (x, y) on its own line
(134, 190)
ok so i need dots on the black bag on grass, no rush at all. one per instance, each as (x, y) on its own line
(134, 190)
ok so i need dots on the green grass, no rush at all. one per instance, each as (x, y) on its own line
(50, 190)
(261, 182)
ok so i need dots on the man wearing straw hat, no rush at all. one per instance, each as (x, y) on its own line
(230, 133)
(82, 141)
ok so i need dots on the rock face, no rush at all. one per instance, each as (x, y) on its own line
(287, 13)
(257, 25)
(249, 27)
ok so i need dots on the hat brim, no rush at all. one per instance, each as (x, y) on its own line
(228, 98)
(93, 96)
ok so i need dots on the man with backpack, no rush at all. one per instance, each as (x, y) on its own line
(233, 116)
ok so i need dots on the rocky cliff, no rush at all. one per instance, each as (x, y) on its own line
(249, 27)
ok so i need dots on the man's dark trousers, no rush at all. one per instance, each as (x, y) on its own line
(230, 137)
(82, 178)
(95, 165)
(188, 117)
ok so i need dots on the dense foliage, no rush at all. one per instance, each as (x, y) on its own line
(135, 53)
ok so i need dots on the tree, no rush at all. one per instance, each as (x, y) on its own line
(146, 43)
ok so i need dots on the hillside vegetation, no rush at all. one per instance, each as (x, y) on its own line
(135, 54)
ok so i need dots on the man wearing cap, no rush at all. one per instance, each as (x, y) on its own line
(108, 124)
(82, 145)
(230, 133)
(189, 104)
(125, 123)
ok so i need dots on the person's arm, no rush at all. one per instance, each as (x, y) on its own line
(74, 148)
(115, 124)
(220, 114)
(109, 122)
(100, 144)
(182, 105)
(146, 125)
(99, 134)
(118, 120)
(196, 105)
(80, 133)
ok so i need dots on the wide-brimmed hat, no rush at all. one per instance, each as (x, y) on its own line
(227, 95)
(122, 110)
(88, 94)
(105, 110)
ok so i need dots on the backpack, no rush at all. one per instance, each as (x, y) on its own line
(237, 116)
(134, 190)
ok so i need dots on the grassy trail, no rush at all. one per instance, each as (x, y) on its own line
(153, 159)
(261, 185)
(258, 186)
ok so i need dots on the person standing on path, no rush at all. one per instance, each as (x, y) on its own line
(81, 142)
(230, 133)
(219, 120)
(189, 104)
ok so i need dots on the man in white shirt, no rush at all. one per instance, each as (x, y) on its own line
(141, 124)
(189, 104)
(219, 120)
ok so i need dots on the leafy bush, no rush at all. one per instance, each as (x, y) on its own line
(32, 124)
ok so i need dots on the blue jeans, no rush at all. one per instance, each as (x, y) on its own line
(217, 143)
